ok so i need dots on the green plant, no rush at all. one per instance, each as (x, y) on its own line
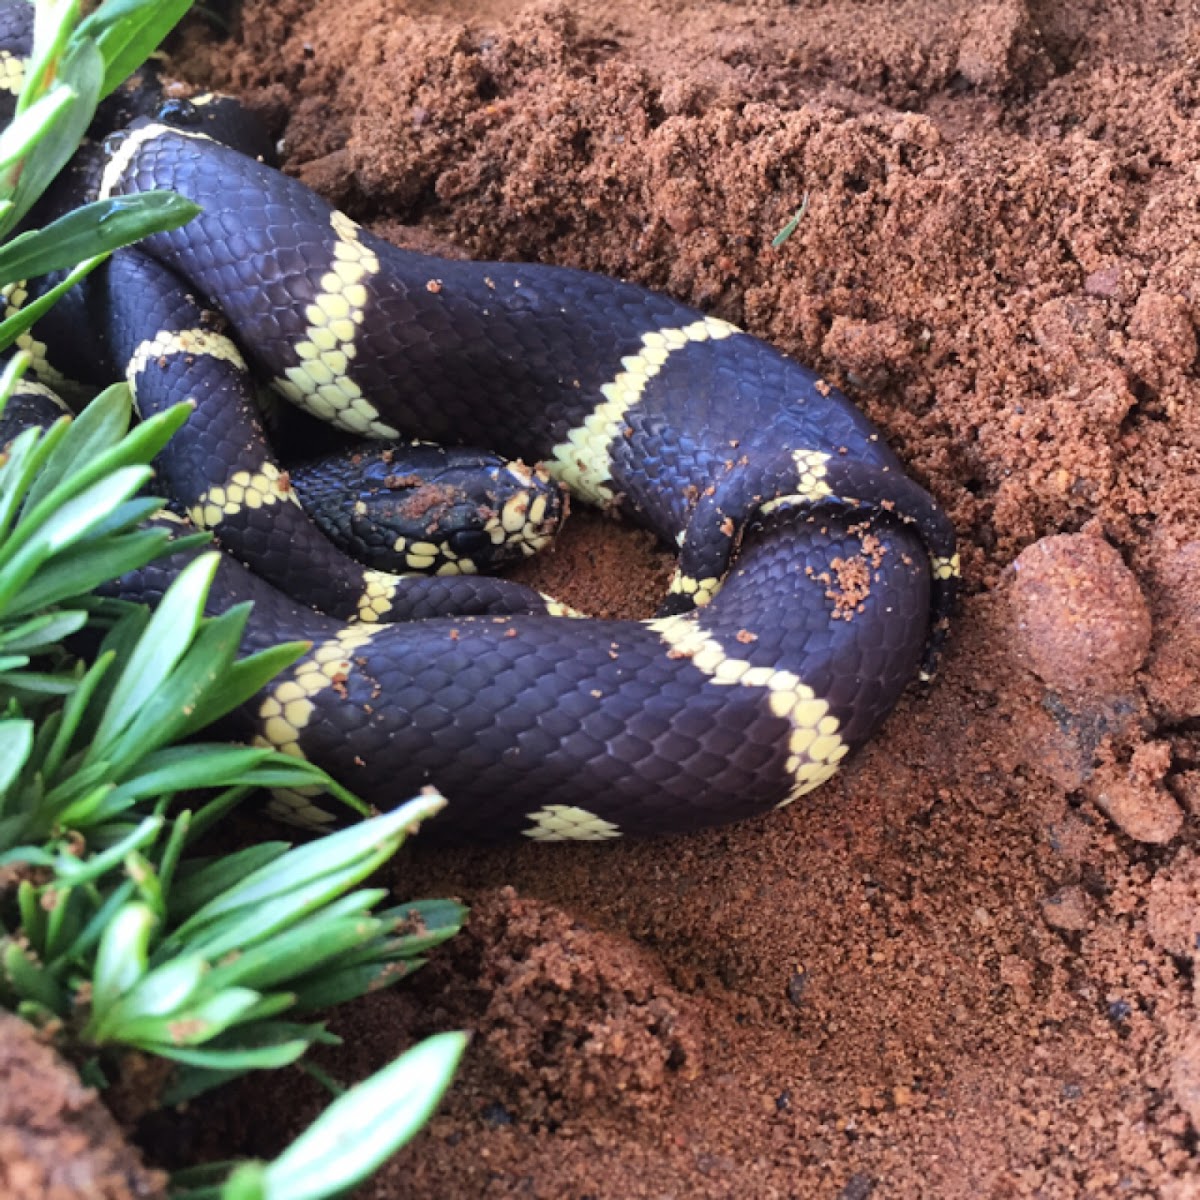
(116, 932)
(73, 66)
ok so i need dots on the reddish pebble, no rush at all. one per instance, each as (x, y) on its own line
(1082, 622)
(1135, 797)
(1069, 909)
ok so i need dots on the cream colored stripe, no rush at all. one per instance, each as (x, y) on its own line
(814, 746)
(127, 151)
(244, 489)
(568, 823)
(319, 383)
(14, 296)
(946, 568)
(582, 462)
(12, 73)
(31, 387)
(289, 706)
(378, 594)
(183, 341)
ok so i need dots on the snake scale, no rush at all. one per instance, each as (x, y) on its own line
(814, 578)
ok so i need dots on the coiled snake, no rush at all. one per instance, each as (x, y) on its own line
(814, 576)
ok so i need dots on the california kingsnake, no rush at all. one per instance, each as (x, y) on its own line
(746, 692)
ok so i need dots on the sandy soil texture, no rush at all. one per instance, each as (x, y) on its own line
(964, 967)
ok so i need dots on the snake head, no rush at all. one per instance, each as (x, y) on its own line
(429, 508)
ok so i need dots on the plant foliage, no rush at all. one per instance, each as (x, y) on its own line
(116, 931)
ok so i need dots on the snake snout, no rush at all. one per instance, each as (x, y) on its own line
(469, 543)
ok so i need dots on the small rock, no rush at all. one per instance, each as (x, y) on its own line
(797, 985)
(1185, 1077)
(56, 1137)
(1002, 47)
(1104, 282)
(1135, 798)
(1172, 678)
(1173, 912)
(858, 1187)
(1068, 909)
(1082, 622)
(1164, 322)
(1185, 786)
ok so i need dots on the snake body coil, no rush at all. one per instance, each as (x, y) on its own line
(814, 575)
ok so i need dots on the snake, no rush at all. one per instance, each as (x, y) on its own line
(814, 581)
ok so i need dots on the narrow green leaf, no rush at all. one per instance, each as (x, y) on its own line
(178, 768)
(94, 433)
(25, 130)
(63, 923)
(139, 869)
(82, 70)
(262, 1058)
(121, 958)
(241, 681)
(200, 881)
(299, 882)
(33, 920)
(53, 22)
(300, 951)
(81, 809)
(173, 851)
(81, 514)
(204, 1020)
(163, 992)
(71, 870)
(42, 632)
(343, 984)
(214, 810)
(251, 925)
(81, 949)
(72, 714)
(191, 1081)
(120, 640)
(792, 225)
(168, 710)
(315, 861)
(12, 374)
(206, 1181)
(97, 228)
(29, 314)
(359, 1131)
(33, 856)
(32, 684)
(424, 924)
(27, 454)
(128, 32)
(157, 653)
(29, 979)
(16, 741)
(80, 781)
(69, 524)
(127, 517)
(81, 569)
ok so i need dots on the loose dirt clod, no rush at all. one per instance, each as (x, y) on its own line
(57, 1140)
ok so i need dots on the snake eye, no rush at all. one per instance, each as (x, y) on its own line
(177, 112)
(468, 542)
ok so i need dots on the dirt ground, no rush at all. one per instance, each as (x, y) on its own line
(965, 966)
